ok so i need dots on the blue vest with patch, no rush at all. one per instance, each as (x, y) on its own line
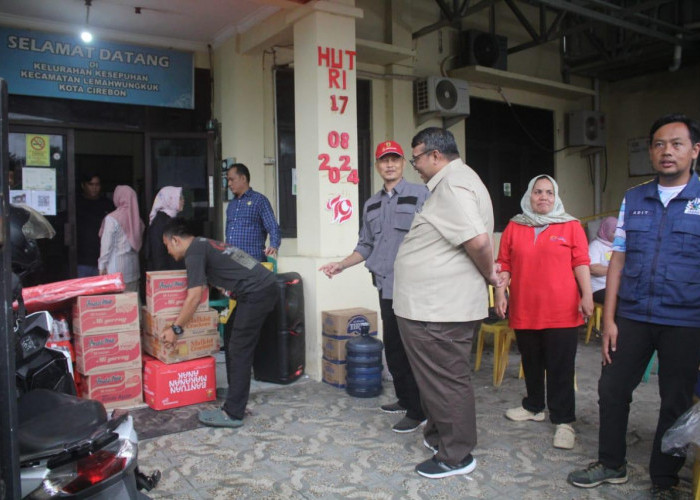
(661, 277)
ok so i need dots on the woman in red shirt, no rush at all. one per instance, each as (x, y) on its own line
(544, 255)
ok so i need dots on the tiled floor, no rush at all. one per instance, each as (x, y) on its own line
(311, 440)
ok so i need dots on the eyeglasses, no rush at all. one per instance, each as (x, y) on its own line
(413, 159)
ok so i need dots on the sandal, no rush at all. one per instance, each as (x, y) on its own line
(218, 418)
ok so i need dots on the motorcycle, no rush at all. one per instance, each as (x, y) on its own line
(69, 446)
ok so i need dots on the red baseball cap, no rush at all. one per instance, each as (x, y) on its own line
(388, 147)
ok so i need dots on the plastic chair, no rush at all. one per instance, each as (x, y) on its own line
(650, 367)
(500, 331)
(273, 261)
(696, 474)
(594, 320)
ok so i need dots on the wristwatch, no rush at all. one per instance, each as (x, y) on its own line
(177, 329)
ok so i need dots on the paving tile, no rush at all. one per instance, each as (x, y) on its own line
(309, 440)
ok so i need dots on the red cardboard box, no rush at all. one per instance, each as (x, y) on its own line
(202, 323)
(115, 389)
(179, 384)
(184, 349)
(166, 292)
(106, 352)
(115, 312)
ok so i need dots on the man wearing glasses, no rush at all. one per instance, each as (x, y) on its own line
(440, 297)
(386, 218)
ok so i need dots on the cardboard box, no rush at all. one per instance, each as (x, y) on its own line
(105, 352)
(184, 350)
(334, 372)
(334, 347)
(344, 323)
(115, 389)
(202, 323)
(166, 292)
(179, 384)
(114, 312)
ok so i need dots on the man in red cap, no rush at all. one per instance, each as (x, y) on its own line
(386, 218)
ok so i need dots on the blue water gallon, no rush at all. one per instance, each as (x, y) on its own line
(364, 365)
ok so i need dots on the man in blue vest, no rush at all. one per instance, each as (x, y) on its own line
(652, 304)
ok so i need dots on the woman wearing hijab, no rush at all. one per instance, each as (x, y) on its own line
(600, 251)
(544, 255)
(168, 203)
(121, 238)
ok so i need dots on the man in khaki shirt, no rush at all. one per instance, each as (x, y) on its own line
(440, 297)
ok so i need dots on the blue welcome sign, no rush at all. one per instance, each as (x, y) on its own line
(52, 65)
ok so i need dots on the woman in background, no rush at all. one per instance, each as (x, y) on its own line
(600, 251)
(544, 255)
(168, 203)
(121, 238)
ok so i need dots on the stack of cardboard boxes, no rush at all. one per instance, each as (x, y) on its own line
(339, 326)
(185, 374)
(108, 348)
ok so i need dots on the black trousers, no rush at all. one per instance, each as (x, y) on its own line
(552, 351)
(679, 356)
(240, 339)
(396, 360)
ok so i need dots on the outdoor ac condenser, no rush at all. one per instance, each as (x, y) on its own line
(446, 96)
(585, 128)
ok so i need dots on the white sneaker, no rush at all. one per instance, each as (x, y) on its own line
(520, 414)
(564, 437)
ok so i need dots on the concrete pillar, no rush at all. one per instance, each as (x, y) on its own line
(326, 133)
(325, 66)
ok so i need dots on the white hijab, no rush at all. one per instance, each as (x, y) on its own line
(530, 218)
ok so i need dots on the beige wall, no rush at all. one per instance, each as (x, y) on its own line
(631, 107)
(244, 104)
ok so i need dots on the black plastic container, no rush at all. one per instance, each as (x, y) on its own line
(364, 365)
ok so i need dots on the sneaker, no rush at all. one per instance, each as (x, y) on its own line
(564, 437)
(520, 414)
(435, 469)
(432, 448)
(596, 474)
(393, 408)
(659, 493)
(407, 425)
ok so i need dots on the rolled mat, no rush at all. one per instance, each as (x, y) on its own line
(52, 296)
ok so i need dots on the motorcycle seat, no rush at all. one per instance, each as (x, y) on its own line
(49, 420)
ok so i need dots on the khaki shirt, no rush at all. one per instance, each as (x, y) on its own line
(435, 280)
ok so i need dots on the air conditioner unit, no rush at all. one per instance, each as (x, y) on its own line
(446, 96)
(585, 128)
(483, 49)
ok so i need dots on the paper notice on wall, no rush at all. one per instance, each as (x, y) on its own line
(43, 202)
(20, 197)
(39, 179)
(38, 148)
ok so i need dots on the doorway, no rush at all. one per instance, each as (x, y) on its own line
(507, 146)
(51, 175)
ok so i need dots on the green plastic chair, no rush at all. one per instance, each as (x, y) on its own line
(650, 367)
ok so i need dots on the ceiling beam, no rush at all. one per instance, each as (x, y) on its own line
(444, 23)
(523, 20)
(635, 11)
(608, 19)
